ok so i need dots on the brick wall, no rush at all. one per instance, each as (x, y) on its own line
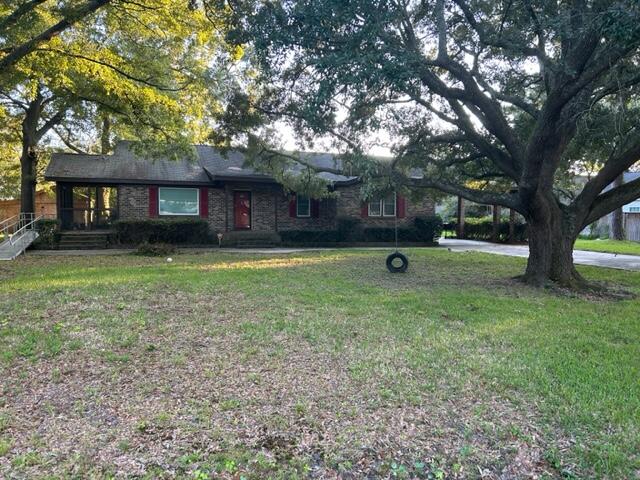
(133, 202)
(270, 208)
(423, 208)
(217, 216)
(349, 204)
(326, 219)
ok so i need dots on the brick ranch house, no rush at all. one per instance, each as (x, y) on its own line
(94, 190)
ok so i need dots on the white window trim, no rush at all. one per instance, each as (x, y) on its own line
(178, 214)
(380, 202)
(395, 207)
(298, 214)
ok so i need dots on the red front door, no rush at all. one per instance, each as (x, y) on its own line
(242, 210)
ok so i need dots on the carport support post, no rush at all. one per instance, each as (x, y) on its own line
(512, 224)
(460, 216)
(495, 233)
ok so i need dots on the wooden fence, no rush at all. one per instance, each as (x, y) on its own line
(632, 226)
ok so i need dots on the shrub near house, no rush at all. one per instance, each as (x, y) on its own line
(482, 229)
(187, 231)
(425, 230)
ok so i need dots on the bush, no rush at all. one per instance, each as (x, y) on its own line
(424, 229)
(310, 236)
(429, 229)
(482, 229)
(47, 233)
(349, 229)
(386, 234)
(597, 230)
(188, 231)
(155, 249)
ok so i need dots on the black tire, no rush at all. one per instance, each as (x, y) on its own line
(400, 269)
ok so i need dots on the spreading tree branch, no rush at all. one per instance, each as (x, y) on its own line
(611, 200)
(24, 49)
(18, 13)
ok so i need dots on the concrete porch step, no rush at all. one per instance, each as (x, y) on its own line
(82, 246)
(84, 235)
(242, 239)
(83, 240)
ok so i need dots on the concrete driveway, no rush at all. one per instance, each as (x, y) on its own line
(580, 257)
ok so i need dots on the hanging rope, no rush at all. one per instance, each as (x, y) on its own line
(404, 262)
(396, 225)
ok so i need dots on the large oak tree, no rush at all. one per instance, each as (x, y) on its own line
(500, 102)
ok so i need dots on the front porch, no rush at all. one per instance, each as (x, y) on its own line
(86, 207)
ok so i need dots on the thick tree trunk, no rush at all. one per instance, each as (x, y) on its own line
(29, 156)
(28, 170)
(551, 256)
(617, 228)
(105, 134)
(552, 234)
(31, 136)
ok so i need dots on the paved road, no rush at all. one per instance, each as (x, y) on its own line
(581, 257)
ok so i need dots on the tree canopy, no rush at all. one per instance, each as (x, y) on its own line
(499, 102)
(156, 69)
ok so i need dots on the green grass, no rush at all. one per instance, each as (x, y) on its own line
(284, 364)
(609, 246)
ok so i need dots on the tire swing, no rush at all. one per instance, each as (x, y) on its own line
(397, 262)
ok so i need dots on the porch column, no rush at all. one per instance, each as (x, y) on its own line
(460, 216)
(58, 202)
(495, 234)
(512, 224)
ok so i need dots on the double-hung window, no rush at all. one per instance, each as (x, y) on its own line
(303, 206)
(179, 201)
(383, 207)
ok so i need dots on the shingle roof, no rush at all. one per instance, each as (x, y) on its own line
(124, 166)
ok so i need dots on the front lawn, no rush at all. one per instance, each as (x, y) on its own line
(609, 246)
(317, 365)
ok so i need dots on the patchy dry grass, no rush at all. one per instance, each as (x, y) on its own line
(317, 365)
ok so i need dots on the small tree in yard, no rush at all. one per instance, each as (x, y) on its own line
(500, 102)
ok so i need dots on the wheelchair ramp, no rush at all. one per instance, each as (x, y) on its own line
(18, 233)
